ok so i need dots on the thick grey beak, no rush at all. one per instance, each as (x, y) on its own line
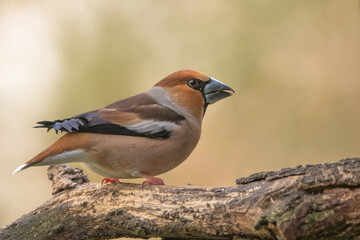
(215, 90)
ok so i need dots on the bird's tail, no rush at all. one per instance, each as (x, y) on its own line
(72, 147)
(35, 160)
(21, 167)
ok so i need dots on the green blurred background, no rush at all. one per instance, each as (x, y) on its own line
(293, 64)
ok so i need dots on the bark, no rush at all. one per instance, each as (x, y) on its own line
(312, 202)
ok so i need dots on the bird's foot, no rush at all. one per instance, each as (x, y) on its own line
(110, 180)
(151, 180)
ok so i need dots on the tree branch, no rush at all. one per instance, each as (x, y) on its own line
(311, 202)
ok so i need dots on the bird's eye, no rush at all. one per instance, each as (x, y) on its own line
(194, 83)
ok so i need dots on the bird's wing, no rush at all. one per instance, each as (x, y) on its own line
(138, 116)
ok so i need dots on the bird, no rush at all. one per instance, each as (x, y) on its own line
(138, 137)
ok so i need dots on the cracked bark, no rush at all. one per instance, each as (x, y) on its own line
(311, 202)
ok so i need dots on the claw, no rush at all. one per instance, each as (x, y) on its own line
(110, 180)
(151, 180)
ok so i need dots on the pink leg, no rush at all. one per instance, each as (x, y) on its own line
(152, 180)
(110, 180)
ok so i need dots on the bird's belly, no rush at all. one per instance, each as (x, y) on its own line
(106, 172)
(122, 156)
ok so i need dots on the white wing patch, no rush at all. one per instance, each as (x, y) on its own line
(151, 126)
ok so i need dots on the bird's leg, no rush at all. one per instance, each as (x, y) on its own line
(151, 180)
(110, 180)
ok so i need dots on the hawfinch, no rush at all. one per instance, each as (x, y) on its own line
(140, 136)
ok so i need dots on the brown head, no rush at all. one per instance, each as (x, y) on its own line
(194, 90)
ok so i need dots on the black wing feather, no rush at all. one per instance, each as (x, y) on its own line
(65, 125)
(80, 124)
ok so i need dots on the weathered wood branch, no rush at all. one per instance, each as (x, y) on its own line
(312, 202)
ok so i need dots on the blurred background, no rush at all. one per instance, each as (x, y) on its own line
(293, 64)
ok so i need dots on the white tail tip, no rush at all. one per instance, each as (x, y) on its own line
(21, 167)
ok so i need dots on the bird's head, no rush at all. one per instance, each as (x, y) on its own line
(194, 90)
